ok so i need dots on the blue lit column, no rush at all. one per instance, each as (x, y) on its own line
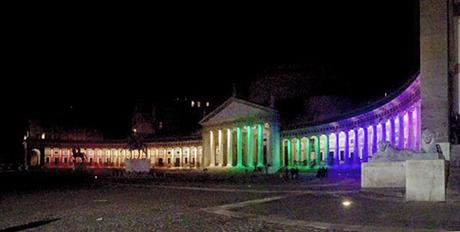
(384, 131)
(392, 132)
(374, 138)
(410, 130)
(356, 161)
(347, 149)
(337, 150)
(326, 150)
(365, 145)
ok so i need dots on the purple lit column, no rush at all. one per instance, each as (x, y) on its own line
(417, 124)
(410, 130)
(336, 150)
(374, 138)
(356, 148)
(384, 131)
(392, 132)
(401, 132)
(347, 150)
(365, 145)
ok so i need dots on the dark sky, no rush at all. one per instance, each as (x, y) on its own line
(103, 62)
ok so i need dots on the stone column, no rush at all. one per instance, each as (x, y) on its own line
(346, 157)
(249, 152)
(410, 130)
(260, 146)
(297, 152)
(356, 160)
(365, 154)
(337, 150)
(434, 80)
(220, 159)
(308, 152)
(239, 148)
(229, 148)
(384, 131)
(213, 149)
(374, 139)
(392, 132)
(326, 150)
(274, 147)
(289, 152)
(401, 131)
(418, 125)
(317, 159)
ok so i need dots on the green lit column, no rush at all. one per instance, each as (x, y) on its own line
(289, 152)
(308, 152)
(326, 150)
(239, 148)
(260, 158)
(297, 152)
(317, 161)
(249, 148)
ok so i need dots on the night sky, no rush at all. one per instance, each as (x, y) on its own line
(104, 62)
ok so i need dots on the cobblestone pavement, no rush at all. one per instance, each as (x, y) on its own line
(144, 205)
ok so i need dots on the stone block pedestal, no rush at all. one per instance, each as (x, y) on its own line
(383, 175)
(425, 180)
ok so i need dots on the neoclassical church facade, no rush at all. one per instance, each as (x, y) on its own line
(241, 135)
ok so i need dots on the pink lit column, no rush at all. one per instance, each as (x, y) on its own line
(410, 130)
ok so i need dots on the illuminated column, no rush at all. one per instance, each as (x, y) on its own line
(239, 148)
(384, 131)
(410, 130)
(308, 152)
(274, 137)
(260, 146)
(60, 156)
(213, 149)
(221, 149)
(374, 138)
(392, 132)
(347, 149)
(297, 152)
(356, 148)
(289, 150)
(417, 124)
(229, 148)
(249, 153)
(365, 154)
(337, 150)
(317, 159)
(51, 157)
(326, 150)
(401, 131)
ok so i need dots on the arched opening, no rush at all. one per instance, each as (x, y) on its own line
(35, 158)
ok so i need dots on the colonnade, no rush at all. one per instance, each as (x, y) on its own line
(175, 156)
(350, 146)
(239, 146)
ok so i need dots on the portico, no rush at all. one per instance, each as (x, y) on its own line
(241, 135)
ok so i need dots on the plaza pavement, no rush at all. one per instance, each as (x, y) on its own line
(211, 203)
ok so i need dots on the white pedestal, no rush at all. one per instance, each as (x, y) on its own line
(425, 180)
(383, 175)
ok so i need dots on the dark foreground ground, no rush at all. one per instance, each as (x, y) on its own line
(209, 202)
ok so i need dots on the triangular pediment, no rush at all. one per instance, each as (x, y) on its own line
(236, 110)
